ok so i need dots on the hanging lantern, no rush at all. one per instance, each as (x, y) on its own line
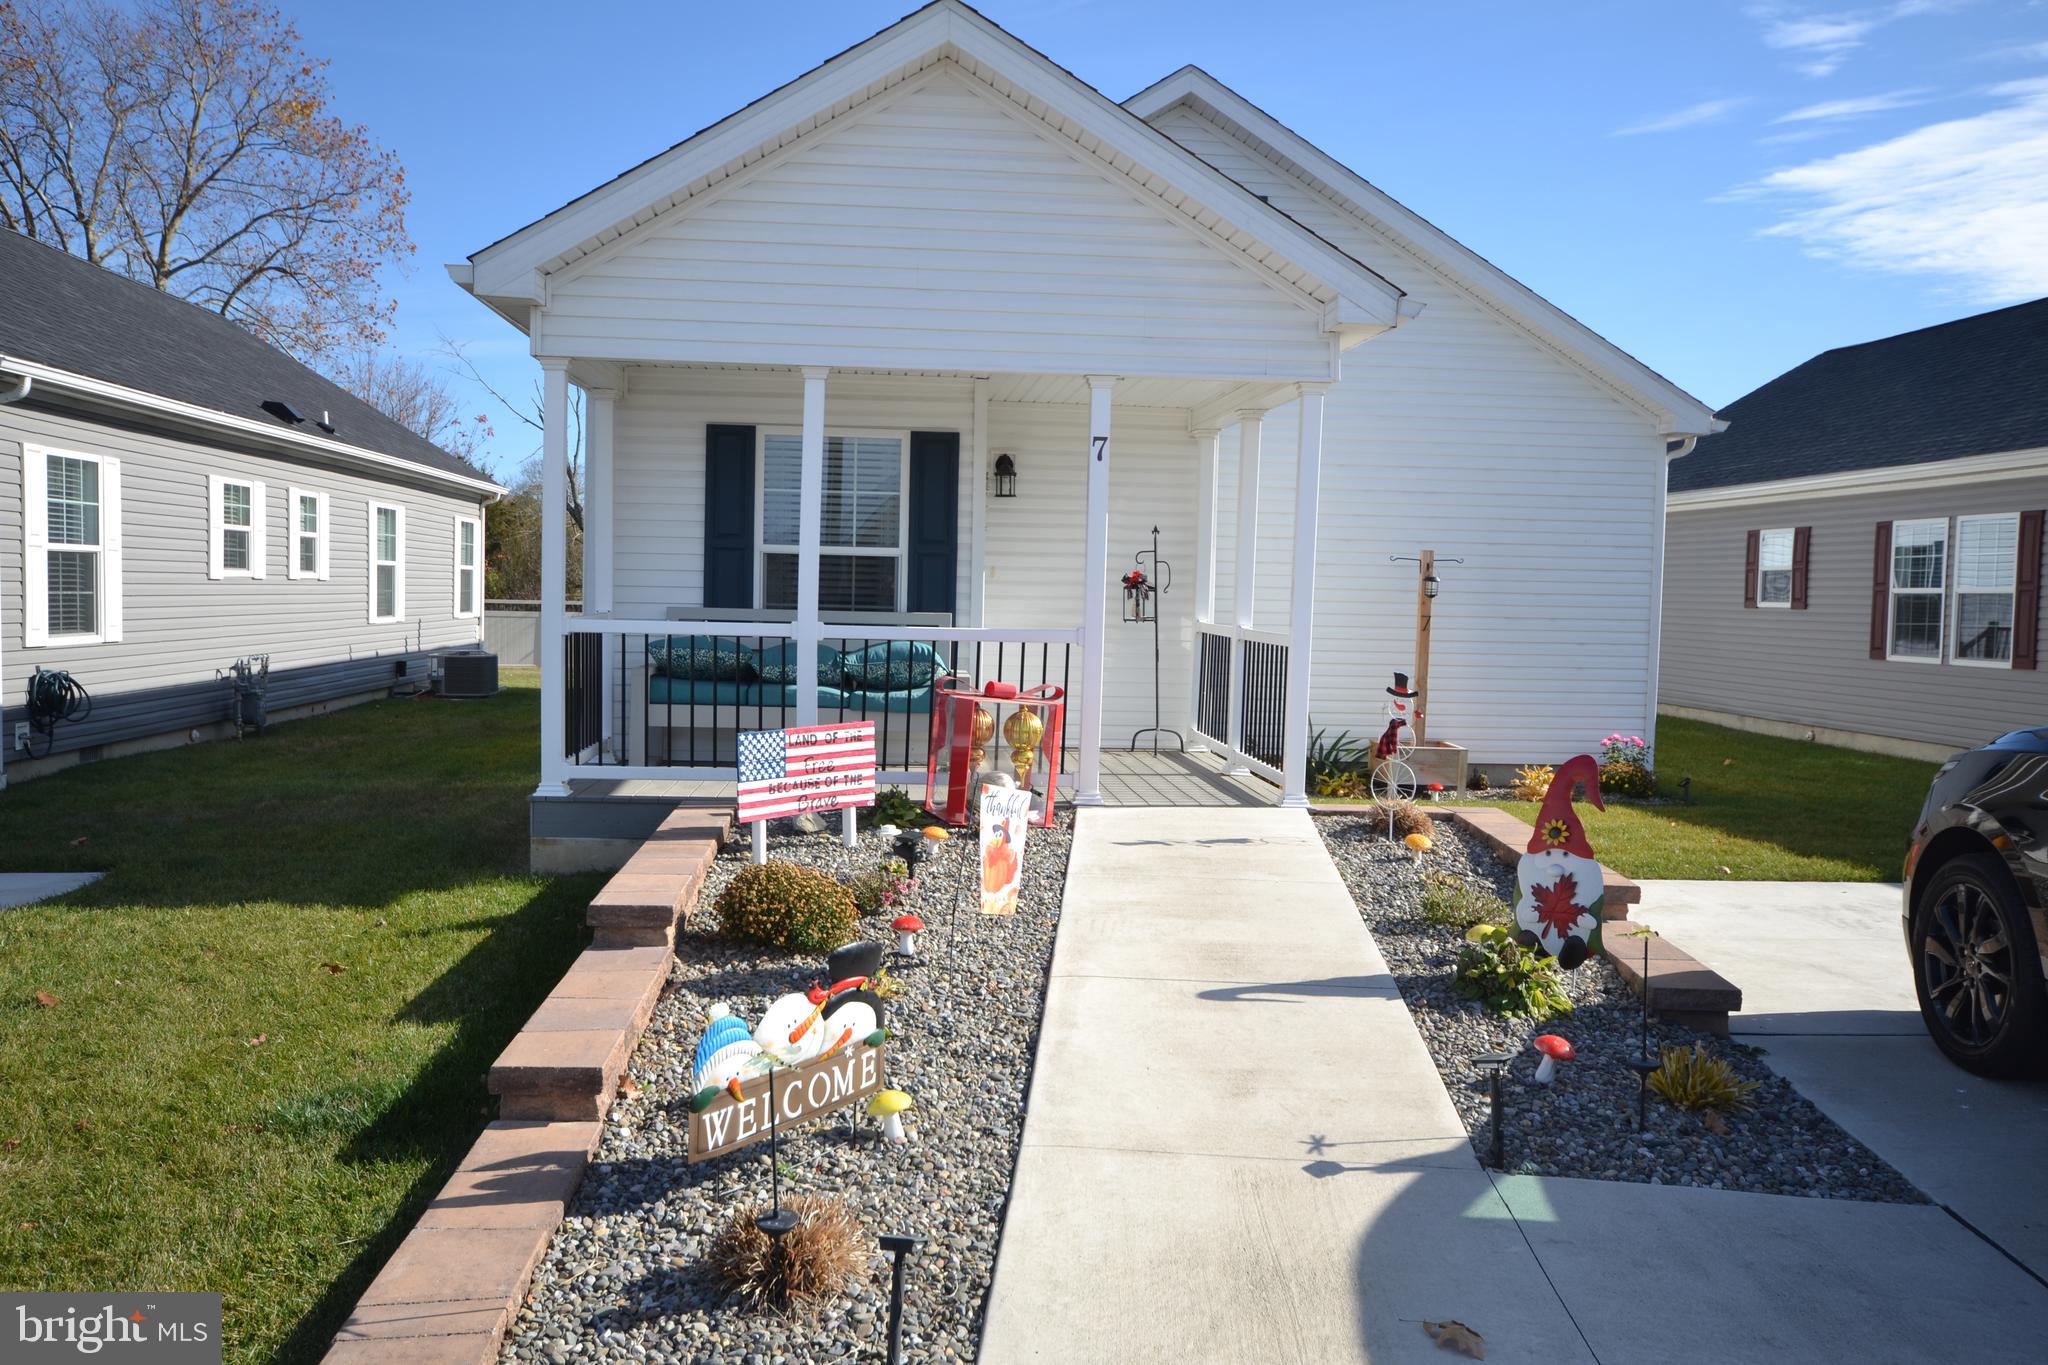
(1430, 583)
(1139, 596)
(1005, 477)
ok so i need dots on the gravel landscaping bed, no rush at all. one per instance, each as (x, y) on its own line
(625, 1278)
(1584, 1123)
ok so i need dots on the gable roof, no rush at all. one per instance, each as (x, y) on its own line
(511, 271)
(77, 319)
(1681, 413)
(1969, 387)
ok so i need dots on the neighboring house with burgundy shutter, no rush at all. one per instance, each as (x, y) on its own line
(1883, 506)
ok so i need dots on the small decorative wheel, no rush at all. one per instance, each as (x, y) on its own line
(1392, 780)
(1976, 971)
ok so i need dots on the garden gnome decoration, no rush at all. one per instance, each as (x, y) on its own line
(1557, 913)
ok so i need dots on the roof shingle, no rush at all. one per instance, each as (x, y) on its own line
(1975, 386)
(69, 314)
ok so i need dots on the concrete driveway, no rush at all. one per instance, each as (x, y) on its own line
(1827, 992)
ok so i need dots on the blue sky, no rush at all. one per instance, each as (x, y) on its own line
(1723, 189)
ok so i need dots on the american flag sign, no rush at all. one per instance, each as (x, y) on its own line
(810, 768)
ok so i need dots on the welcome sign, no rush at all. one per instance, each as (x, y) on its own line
(802, 1093)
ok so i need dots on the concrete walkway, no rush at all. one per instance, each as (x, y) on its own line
(1828, 993)
(1237, 1148)
(26, 888)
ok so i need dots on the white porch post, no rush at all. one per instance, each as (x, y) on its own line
(554, 572)
(1308, 479)
(598, 505)
(1095, 592)
(977, 492)
(1251, 429)
(811, 508)
(1207, 441)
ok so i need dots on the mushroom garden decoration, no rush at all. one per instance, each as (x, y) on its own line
(1554, 1050)
(1420, 843)
(906, 927)
(889, 1106)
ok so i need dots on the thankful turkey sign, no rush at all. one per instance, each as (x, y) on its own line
(1005, 816)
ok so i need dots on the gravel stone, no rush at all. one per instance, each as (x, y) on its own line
(1584, 1123)
(625, 1278)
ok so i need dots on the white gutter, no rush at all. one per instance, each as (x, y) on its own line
(1967, 469)
(122, 396)
(19, 392)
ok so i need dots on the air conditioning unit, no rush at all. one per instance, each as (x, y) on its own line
(468, 673)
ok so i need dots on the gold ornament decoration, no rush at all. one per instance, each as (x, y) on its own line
(1023, 729)
(984, 725)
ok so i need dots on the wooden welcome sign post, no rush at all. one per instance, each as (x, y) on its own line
(801, 1093)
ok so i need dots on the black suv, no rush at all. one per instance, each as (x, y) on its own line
(1977, 906)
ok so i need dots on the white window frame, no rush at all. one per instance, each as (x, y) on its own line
(1763, 539)
(1955, 590)
(1893, 592)
(475, 570)
(901, 552)
(36, 548)
(398, 578)
(295, 536)
(217, 527)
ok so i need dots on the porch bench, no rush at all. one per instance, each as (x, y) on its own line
(664, 690)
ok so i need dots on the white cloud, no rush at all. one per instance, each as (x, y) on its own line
(1706, 111)
(1966, 199)
(1822, 42)
(1831, 110)
(2017, 52)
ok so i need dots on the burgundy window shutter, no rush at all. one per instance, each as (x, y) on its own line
(1802, 541)
(1880, 591)
(2026, 597)
(1749, 563)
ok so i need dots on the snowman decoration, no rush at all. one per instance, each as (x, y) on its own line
(1392, 778)
(1557, 912)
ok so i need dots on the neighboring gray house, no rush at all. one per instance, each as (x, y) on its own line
(1858, 557)
(176, 495)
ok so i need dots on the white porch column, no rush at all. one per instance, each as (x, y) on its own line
(1251, 429)
(977, 491)
(599, 504)
(1094, 592)
(1308, 480)
(1207, 441)
(1206, 444)
(811, 509)
(554, 572)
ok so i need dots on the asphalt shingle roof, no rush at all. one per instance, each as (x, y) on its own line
(69, 314)
(1975, 386)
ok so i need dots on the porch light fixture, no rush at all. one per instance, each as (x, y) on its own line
(1005, 477)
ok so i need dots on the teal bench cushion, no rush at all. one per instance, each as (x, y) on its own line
(776, 663)
(702, 657)
(892, 665)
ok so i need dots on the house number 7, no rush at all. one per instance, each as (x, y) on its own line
(1101, 444)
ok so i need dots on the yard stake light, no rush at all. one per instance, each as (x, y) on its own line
(1493, 1064)
(899, 1245)
(778, 1222)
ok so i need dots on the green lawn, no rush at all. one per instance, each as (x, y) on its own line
(1762, 809)
(272, 1018)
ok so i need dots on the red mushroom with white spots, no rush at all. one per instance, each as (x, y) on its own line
(907, 927)
(1554, 1050)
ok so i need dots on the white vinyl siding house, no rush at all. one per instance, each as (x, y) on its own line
(938, 252)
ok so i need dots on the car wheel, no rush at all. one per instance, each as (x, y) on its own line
(1976, 971)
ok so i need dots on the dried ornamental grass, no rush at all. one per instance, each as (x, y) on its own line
(1532, 783)
(820, 1257)
(1408, 818)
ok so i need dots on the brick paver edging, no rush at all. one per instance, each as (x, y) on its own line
(1681, 988)
(451, 1289)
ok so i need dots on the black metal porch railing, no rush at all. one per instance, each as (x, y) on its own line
(583, 696)
(680, 701)
(1262, 702)
(1212, 685)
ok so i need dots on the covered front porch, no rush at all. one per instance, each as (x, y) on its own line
(850, 543)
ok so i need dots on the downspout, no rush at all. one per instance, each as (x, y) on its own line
(1653, 665)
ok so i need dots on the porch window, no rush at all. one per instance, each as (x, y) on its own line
(1987, 555)
(861, 568)
(1919, 584)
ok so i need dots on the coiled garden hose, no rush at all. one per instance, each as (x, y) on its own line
(53, 695)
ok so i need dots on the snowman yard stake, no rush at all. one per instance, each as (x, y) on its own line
(1557, 912)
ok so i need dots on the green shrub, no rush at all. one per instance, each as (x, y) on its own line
(1627, 779)
(787, 906)
(879, 888)
(1329, 755)
(1345, 786)
(1451, 902)
(893, 806)
(1478, 781)
(1693, 1078)
(1506, 977)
